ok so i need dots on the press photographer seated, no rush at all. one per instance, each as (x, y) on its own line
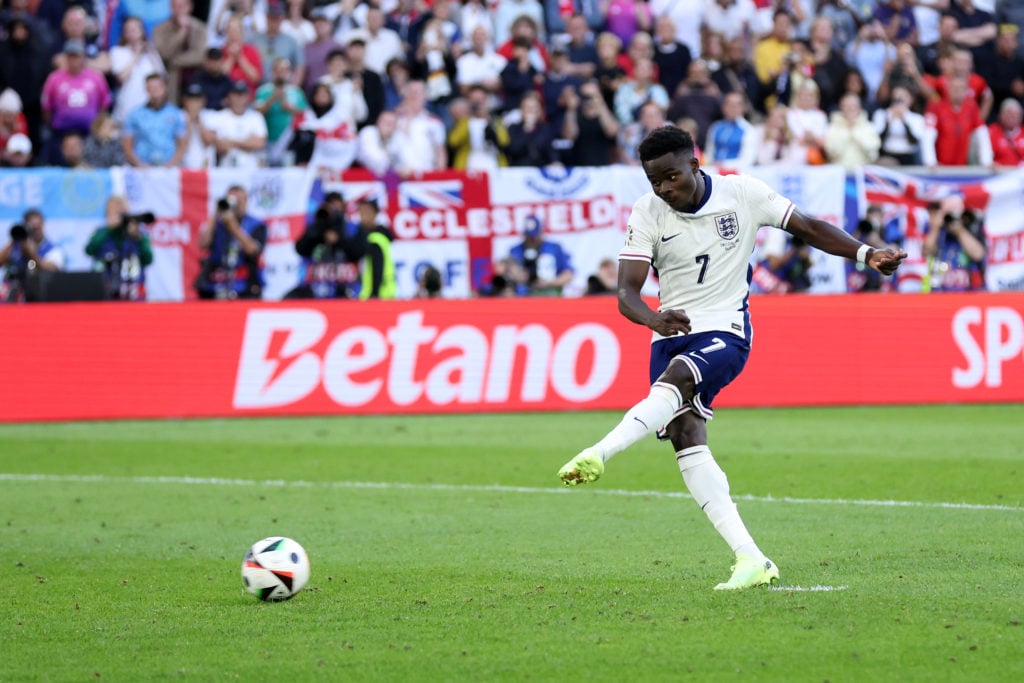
(234, 240)
(28, 250)
(331, 249)
(121, 250)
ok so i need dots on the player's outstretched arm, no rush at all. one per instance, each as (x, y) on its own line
(830, 239)
(632, 276)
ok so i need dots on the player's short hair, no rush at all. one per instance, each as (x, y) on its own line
(665, 140)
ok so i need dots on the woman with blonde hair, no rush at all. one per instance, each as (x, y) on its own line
(132, 62)
(775, 140)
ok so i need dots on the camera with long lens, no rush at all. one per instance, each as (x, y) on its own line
(144, 218)
(225, 204)
(19, 233)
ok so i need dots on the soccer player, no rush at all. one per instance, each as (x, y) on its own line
(698, 231)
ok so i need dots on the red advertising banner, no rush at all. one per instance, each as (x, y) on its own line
(109, 360)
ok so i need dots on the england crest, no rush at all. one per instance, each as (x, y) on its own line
(728, 226)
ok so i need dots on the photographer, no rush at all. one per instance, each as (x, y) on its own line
(29, 249)
(331, 251)
(121, 251)
(234, 240)
(954, 247)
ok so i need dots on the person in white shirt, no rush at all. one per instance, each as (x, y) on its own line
(421, 135)
(480, 65)
(378, 151)
(240, 132)
(199, 150)
(382, 43)
(698, 231)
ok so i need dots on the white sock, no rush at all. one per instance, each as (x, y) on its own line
(710, 488)
(646, 417)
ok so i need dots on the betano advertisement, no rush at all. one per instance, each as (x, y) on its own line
(109, 360)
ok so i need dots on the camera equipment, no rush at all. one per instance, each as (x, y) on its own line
(226, 203)
(19, 233)
(146, 217)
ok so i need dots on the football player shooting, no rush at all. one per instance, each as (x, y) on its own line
(698, 231)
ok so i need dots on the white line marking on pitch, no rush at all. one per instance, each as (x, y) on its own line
(282, 483)
(807, 589)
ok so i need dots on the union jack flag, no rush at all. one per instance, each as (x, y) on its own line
(430, 194)
(903, 198)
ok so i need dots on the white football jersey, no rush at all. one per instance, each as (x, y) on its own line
(703, 258)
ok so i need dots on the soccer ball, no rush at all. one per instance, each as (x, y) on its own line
(275, 569)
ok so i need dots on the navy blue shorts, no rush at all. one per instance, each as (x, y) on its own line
(714, 359)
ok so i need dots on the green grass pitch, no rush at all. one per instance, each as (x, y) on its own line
(444, 549)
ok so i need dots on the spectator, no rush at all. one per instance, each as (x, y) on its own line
(29, 250)
(850, 139)
(637, 90)
(547, 265)
(952, 123)
(507, 13)
(960, 64)
(928, 53)
(477, 139)
(280, 102)
(611, 66)
(12, 119)
(525, 32)
(829, 66)
(72, 97)
(155, 134)
(121, 251)
(559, 16)
(855, 85)
(686, 17)
(24, 67)
(902, 132)
(672, 57)
(954, 247)
(591, 127)
(131, 63)
(870, 54)
(199, 146)
(17, 151)
(729, 18)
(324, 137)
(331, 253)
(808, 123)
(508, 279)
(1007, 136)
(434, 63)
(421, 135)
(251, 13)
(651, 116)
(480, 64)
(297, 26)
(1004, 72)
(905, 73)
(242, 60)
(438, 18)
(181, 43)
(378, 145)
(347, 90)
(382, 43)
(776, 143)
(732, 139)
(737, 74)
(519, 76)
(377, 271)
(316, 50)
(233, 240)
(770, 55)
(78, 25)
(977, 28)
(394, 83)
(1011, 13)
(148, 12)
(785, 265)
(844, 20)
(531, 138)
(241, 132)
(697, 98)
(72, 149)
(213, 79)
(558, 81)
(623, 18)
(364, 80)
(897, 20)
(347, 16)
(605, 280)
(103, 148)
(472, 15)
(580, 47)
(274, 44)
(640, 47)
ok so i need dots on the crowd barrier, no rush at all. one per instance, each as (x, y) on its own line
(219, 359)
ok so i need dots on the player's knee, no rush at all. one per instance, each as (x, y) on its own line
(687, 430)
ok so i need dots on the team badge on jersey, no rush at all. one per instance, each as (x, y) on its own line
(728, 225)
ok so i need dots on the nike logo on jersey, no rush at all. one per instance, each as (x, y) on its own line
(666, 239)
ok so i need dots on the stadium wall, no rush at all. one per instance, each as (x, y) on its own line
(110, 360)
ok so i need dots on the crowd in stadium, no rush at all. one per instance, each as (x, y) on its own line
(417, 85)
(403, 87)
